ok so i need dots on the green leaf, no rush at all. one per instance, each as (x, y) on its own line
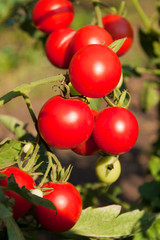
(9, 151)
(25, 193)
(95, 103)
(117, 44)
(17, 127)
(152, 233)
(106, 222)
(14, 233)
(154, 166)
(5, 212)
(149, 96)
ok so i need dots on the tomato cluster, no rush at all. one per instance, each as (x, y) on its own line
(64, 122)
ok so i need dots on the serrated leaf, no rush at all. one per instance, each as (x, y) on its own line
(152, 233)
(106, 222)
(154, 166)
(17, 127)
(14, 233)
(9, 152)
(25, 193)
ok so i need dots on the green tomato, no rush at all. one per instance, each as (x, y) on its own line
(108, 169)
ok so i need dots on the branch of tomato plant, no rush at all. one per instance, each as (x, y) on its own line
(142, 14)
(98, 12)
(148, 70)
(121, 8)
(24, 89)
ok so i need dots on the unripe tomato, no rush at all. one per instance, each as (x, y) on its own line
(119, 27)
(58, 48)
(65, 123)
(108, 169)
(49, 15)
(89, 147)
(90, 34)
(116, 130)
(68, 203)
(95, 71)
(21, 205)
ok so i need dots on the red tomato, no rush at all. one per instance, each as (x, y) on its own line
(116, 130)
(49, 15)
(58, 48)
(68, 203)
(89, 147)
(65, 123)
(119, 27)
(95, 71)
(21, 205)
(90, 34)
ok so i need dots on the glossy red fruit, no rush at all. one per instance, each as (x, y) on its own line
(21, 205)
(65, 123)
(95, 71)
(119, 27)
(49, 15)
(90, 34)
(89, 147)
(116, 130)
(58, 48)
(68, 203)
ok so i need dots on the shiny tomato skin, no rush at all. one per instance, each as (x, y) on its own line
(119, 27)
(89, 147)
(90, 34)
(95, 71)
(116, 130)
(58, 48)
(49, 15)
(68, 203)
(65, 123)
(21, 205)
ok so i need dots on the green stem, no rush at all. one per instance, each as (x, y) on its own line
(97, 12)
(148, 70)
(24, 89)
(29, 106)
(109, 102)
(32, 160)
(142, 14)
(121, 8)
(46, 172)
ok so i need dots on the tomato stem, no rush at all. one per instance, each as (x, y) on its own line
(142, 14)
(109, 102)
(98, 13)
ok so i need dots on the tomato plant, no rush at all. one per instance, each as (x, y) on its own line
(68, 204)
(90, 34)
(119, 27)
(108, 169)
(89, 147)
(116, 130)
(49, 15)
(92, 71)
(65, 123)
(21, 206)
(58, 48)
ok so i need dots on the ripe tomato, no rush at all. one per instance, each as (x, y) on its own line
(21, 205)
(65, 123)
(116, 130)
(49, 15)
(94, 71)
(58, 47)
(119, 27)
(90, 34)
(89, 147)
(108, 169)
(68, 203)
